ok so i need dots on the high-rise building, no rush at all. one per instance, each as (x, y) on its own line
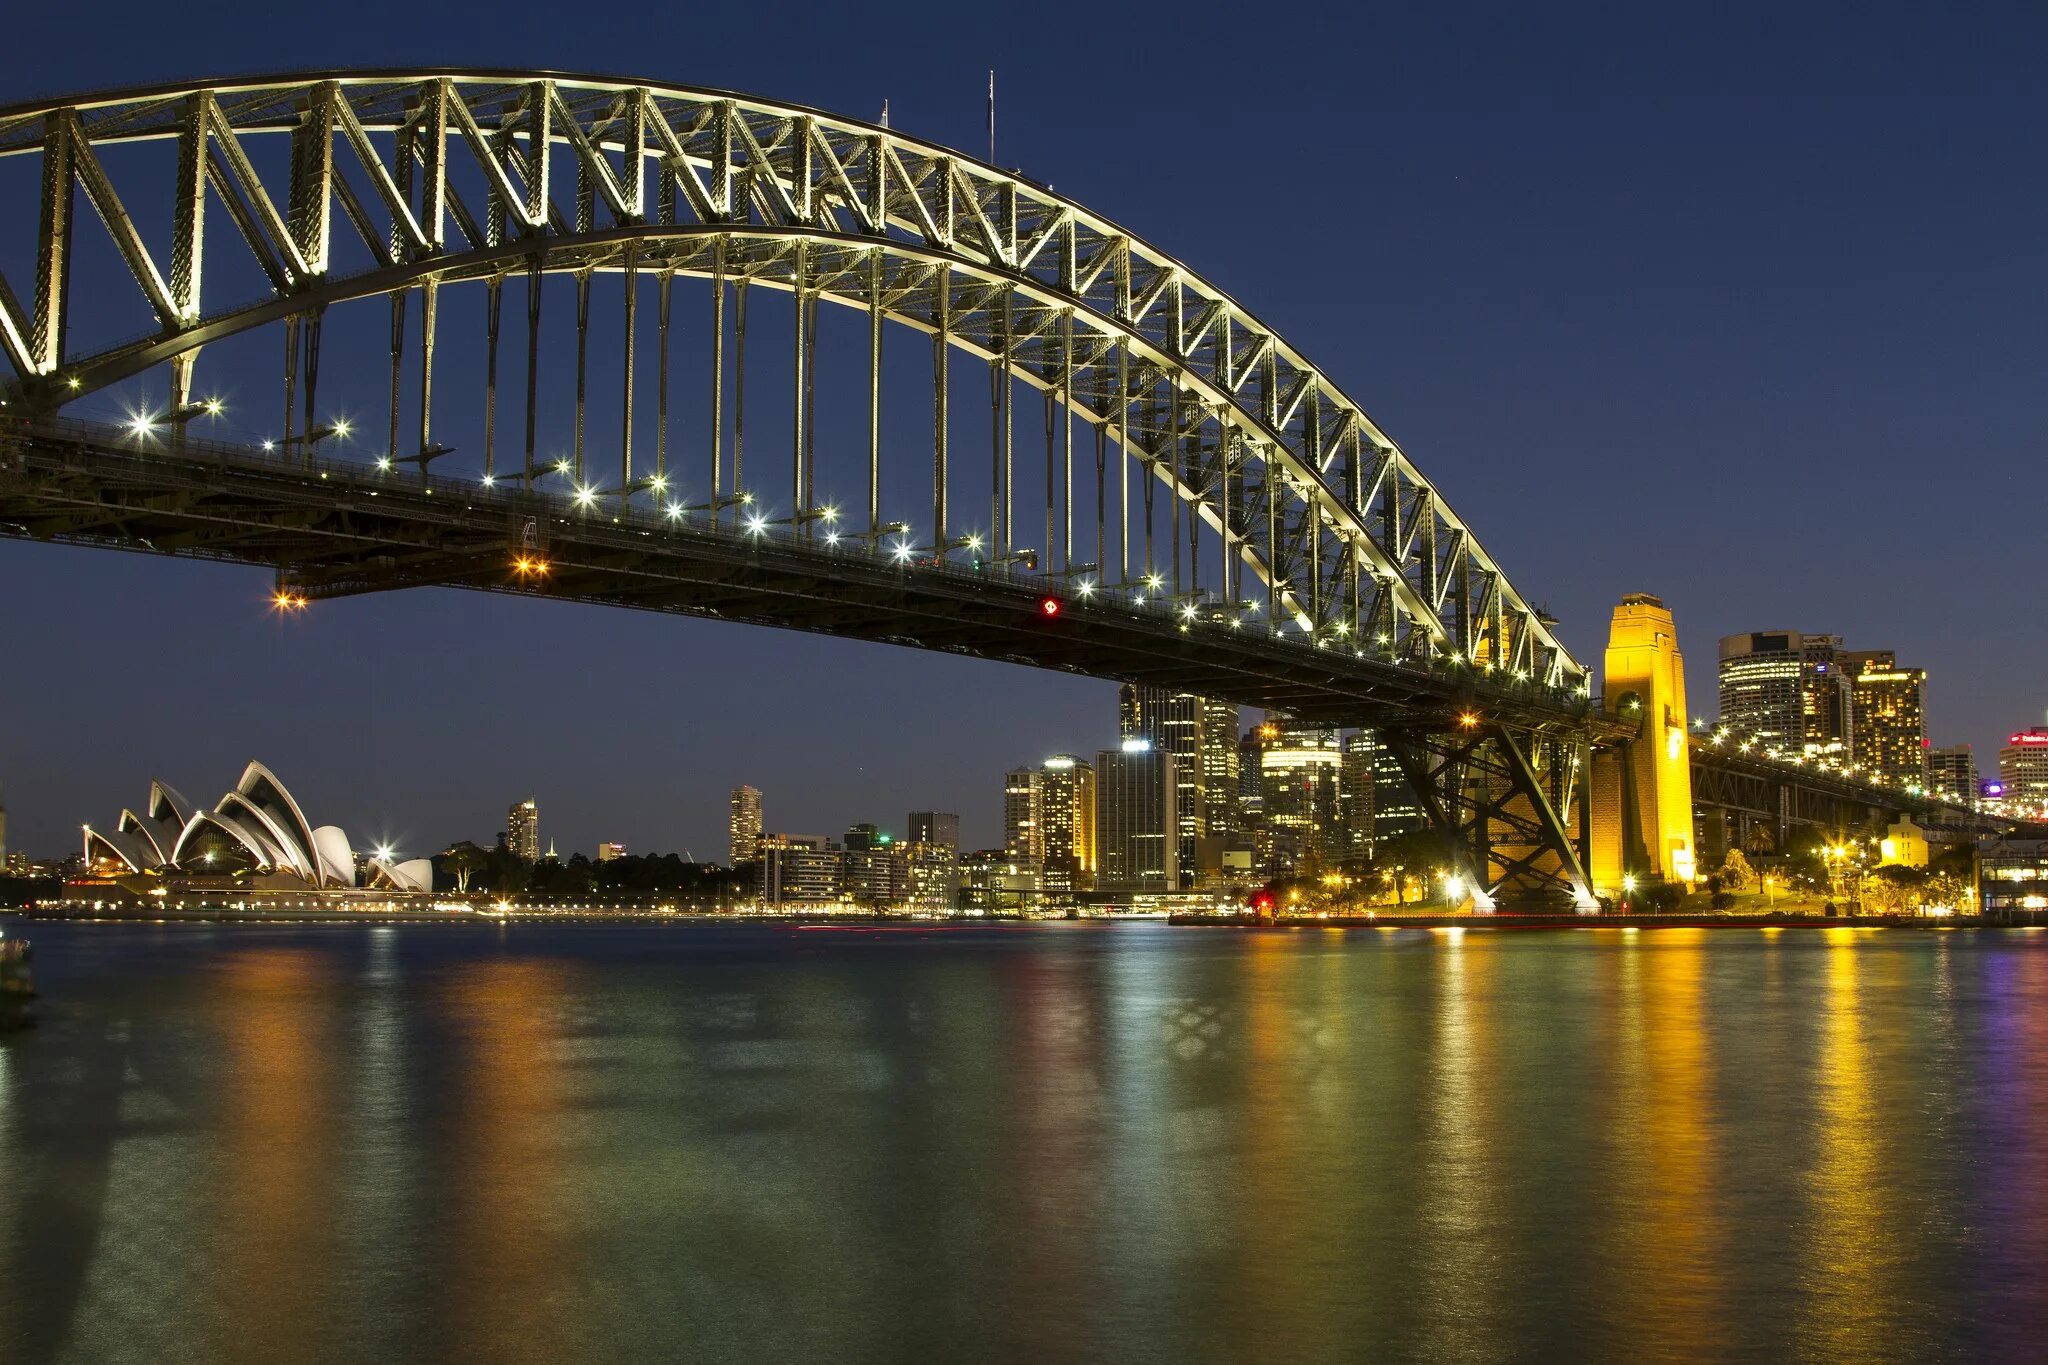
(992, 884)
(1788, 690)
(798, 870)
(1199, 735)
(1066, 823)
(877, 876)
(1301, 770)
(1889, 726)
(866, 836)
(1394, 807)
(1020, 816)
(1355, 792)
(522, 830)
(1137, 847)
(1220, 722)
(1952, 775)
(934, 827)
(610, 851)
(2023, 773)
(932, 861)
(745, 827)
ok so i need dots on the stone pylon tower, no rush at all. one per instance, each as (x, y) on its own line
(1642, 795)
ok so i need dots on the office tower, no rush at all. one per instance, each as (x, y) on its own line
(1020, 815)
(934, 827)
(1251, 781)
(866, 836)
(522, 830)
(798, 870)
(1301, 768)
(1355, 791)
(1394, 807)
(1066, 823)
(1952, 775)
(745, 828)
(932, 861)
(608, 851)
(1199, 735)
(1137, 848)
(1889, 720)
(1788, 690)
(2023, 773)
(1220, 722)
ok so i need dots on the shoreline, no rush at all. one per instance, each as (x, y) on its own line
(1503, 922)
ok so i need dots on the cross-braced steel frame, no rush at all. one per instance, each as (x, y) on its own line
(1287, 511)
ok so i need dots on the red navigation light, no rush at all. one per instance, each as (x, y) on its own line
(1049, 606)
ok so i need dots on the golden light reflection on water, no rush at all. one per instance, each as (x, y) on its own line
(1669, 1230)
(1461, 1181)
(277, 1121)
(508, 1267)
(1843, 1308)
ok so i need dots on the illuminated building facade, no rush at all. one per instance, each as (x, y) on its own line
(1788, 690)
(1301, 769)
(992, 884)
(522, 830)
(1020, 815)
(1066, 822)
(1199, 736)
(1136, 830)
(2012, 878)
(2023, 773)
(798, 871)
(610, 851)
(1952, 774)
(1889, 726)
(932, 861)
(744, 828)
(875, 869)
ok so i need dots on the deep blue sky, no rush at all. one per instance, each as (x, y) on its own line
(1744, 309)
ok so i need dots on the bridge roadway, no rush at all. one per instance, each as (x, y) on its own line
(333, 527)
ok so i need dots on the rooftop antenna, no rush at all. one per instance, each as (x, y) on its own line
(991, 116)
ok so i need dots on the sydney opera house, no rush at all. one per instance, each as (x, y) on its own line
(254, 844)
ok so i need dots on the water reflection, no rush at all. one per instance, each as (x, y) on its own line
(1125, 1143)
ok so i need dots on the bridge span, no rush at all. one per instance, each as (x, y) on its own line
(1114, 467)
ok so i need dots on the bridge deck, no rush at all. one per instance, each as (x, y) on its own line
(338, 527)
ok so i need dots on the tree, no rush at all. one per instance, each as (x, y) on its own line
(1736, 874)
(463, 862)
(1412, 855)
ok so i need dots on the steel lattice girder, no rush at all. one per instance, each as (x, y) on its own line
(585, 175)
(333, 528)
(1503, 800)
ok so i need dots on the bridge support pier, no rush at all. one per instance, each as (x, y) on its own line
(1506, 802)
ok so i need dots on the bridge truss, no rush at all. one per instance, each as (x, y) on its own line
(1192, 469)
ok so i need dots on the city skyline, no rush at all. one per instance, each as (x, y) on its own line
(1562, 262)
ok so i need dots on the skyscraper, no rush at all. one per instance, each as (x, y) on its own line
(522, 830)
(2023, 771)
(1355, 792)
(1136, 846)
(934, 827)
(1952, 775)
(1301, 768)
(1020, 816)
(933, 859)
(1889, 725)
(1066, 824)
(745, 827)
(1787, 690)
(1199, 735)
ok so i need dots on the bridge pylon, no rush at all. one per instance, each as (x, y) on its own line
(1642, 810)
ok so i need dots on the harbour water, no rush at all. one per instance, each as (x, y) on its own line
(1051, 1143)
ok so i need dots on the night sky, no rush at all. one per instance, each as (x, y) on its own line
(1747, 313)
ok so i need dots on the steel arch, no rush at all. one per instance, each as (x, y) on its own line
(1352, 538)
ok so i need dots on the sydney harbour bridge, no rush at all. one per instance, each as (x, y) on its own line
(1019, 432)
